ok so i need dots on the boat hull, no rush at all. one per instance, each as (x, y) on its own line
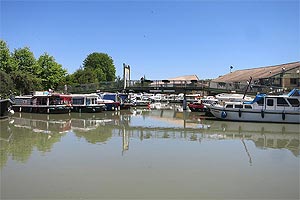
(41, 109)
(87, 109)
(247, 115)
(5, 105)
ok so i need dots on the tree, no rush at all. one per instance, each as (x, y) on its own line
(25, 82)
(102, 65)
(6, 84)
(26, 61)
(85, 76)
(51, 73)
(6, 62)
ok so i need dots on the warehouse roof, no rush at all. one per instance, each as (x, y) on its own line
(256, 73)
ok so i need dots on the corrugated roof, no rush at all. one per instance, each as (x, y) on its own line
(184, 78)
(256, 73)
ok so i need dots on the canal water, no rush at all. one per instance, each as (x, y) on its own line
(146, 154)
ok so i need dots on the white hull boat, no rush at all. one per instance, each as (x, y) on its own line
(264, 108)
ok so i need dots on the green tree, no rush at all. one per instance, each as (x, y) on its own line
(6, 84)
(25, 82)
(6, 62)
(102, 65)
(26, 61)
(85, 76)
(52, 73)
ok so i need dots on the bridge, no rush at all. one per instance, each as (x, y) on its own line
(167, 86)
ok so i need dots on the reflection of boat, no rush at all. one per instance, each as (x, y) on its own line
(86, 103)
(5, 108)
(88, 121)
(26, 133)
(264, 108)
(43, 102)
(42, 123)
(264, 135)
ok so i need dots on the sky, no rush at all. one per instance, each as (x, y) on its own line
(158, 39)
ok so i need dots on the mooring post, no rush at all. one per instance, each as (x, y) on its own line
(184, 101)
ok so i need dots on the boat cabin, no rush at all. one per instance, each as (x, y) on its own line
(84, 99)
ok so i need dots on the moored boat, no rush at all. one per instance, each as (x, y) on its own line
(86, 103)
(5, 108)
(197, 106)
(111, 101)
(264, 108)
(43, 102)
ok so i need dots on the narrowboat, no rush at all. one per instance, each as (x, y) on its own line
(44, 103)
(86, 103)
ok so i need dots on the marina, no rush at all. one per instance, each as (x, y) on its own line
(146, 153)
(150, 100)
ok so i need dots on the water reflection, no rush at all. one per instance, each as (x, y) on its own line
(264, 135)
(24, 132)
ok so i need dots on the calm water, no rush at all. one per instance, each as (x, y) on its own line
(146, 155)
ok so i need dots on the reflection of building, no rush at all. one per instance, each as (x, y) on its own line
(284, 75)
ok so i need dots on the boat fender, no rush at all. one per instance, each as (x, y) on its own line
(283, 115)
(240, 113)
(223, 114)
(262, 114)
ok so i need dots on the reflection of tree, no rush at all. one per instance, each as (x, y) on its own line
(99, 135)
(20, 142)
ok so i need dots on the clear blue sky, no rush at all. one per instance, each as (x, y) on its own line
(158, 39)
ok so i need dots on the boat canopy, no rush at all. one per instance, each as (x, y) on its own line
(294, 93)
(256, 99)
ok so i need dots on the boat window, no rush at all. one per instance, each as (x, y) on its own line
(41, 101)
(88, 101)
(229, 106)
(282, 102)
(260, 102)
(270, 102)
(77, 101)
(238, 106)
(294, 102)
(248, 106)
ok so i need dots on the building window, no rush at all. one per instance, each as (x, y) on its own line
(293, 81)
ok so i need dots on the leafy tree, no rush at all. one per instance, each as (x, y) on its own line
(6, 84)
(26, 61)
(102, 65)
(6, 62)
(26, 82)
(85, 76)
(52, 73)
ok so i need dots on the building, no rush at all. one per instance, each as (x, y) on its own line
(286, 76)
